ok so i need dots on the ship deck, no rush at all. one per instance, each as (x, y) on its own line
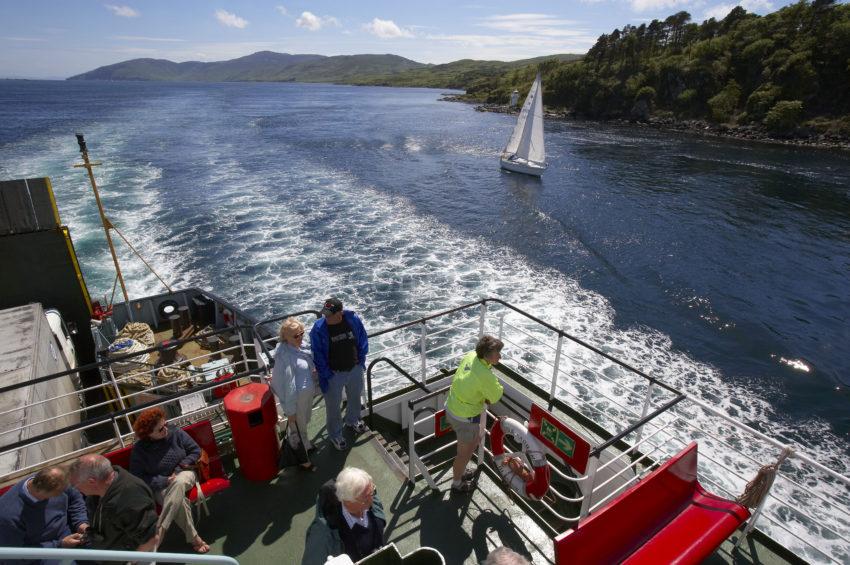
(260, 523)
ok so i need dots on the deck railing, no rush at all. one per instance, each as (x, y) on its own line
(68, 556)
(808, 506)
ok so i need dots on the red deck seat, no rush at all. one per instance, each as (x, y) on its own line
(666, 518)
(202, 433)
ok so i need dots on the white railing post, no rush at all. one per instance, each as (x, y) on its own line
(590, 475)
(482, 431)
(423, 350)
(118, 395)
(501, 324)
(242, 347)
(646, 404)
(482, 318)
(555, 371)
(117, 431)
(751, 523)
(411, 446)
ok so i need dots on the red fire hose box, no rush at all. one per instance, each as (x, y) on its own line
(252, 414)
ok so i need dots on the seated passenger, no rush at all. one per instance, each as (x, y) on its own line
(349, 519)
(165, 459)
(293, 382)
(42, 511)
(121, 506)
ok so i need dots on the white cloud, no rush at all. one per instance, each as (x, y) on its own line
(282, 10)
(718, 12)
(647, 5)
(230, 20)
(722, 10)
(123, 11)
(386, 29)
(26, 39)
(312, 22)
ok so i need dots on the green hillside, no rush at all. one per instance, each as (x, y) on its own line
(781, 71)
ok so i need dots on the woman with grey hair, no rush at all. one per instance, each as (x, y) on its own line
(349, 519)
(294, 383)
(474, 385)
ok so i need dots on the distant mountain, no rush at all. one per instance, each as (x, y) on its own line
(458, 74)
(266, 66)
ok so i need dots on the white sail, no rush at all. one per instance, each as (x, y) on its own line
(525, 151)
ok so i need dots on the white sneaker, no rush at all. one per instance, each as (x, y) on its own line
(339, 443)
(359, 427)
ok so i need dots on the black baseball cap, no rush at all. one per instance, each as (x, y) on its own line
(331, 306)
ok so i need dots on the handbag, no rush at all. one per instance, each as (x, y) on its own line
(291, 456)
(202, 468)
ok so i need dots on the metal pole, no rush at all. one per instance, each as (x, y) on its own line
(118, 394)
(555, 371)
(242, 347)
(411, 445)
(117, 432)
(482, 426)
(423, 350)
(481, 319)
(646, 403)
(107, 225)
(501, 324)
(592, 463)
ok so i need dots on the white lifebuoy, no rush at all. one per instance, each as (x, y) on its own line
(534, 488)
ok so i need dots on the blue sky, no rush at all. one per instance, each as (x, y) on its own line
(56, 38)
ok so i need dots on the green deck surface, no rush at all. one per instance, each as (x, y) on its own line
(266, 522)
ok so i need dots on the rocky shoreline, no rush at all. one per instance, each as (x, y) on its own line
(803, 138)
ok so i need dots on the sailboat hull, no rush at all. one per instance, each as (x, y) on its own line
(522, 166)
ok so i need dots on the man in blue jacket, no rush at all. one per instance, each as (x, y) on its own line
(339, 345)
(43, 511)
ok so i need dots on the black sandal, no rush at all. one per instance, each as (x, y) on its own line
(464, 487)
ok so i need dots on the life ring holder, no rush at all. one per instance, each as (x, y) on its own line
(538, 486)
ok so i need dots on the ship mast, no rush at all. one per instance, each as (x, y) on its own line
(107, 225)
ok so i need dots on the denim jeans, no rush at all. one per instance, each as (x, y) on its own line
(352, 382)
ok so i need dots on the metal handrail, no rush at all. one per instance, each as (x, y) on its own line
(68, 555)
(128, 356)
(255, 330)
(124, 411)
(369, 381)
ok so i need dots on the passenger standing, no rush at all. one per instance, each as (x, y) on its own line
(42, 511)
(473, 386)
(120, 505)
(293, 382)
(339, 343)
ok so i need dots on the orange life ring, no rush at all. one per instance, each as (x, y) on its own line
(538, 485)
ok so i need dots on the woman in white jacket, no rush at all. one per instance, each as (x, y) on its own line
(294, 382)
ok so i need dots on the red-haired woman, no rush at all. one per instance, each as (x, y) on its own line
(164, 459)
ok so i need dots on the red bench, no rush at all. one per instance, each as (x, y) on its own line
(202, 433)
(666, 518)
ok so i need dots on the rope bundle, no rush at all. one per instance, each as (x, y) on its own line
(757, 489)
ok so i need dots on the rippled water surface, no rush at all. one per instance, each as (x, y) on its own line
(692, 256)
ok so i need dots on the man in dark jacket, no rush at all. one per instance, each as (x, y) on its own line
(43, 511)
(349, 519)
(340, 344)
(120, 505)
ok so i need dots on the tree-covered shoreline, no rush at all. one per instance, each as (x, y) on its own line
(783, 75)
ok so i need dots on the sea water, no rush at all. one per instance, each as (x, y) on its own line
(720, 266)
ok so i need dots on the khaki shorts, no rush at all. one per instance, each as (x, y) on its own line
(467, 431)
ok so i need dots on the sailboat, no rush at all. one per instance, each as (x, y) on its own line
(524, 152)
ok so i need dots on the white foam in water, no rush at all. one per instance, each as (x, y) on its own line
(276, 241)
